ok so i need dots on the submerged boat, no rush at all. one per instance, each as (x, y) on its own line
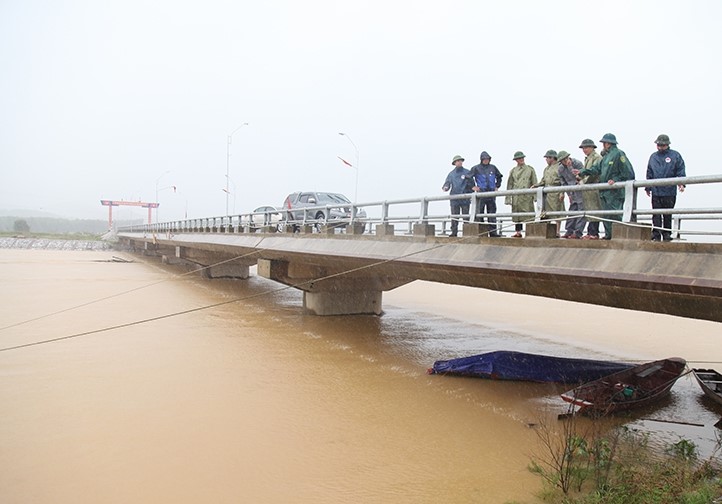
(507, 365)
(625, 390)
(711, 383)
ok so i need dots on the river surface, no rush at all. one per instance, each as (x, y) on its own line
(254, 401)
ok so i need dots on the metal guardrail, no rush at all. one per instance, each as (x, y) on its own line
(427, 210)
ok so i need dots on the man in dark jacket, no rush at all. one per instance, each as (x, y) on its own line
(665, 163)
(574, 228)
(487, 178)
(458, 182)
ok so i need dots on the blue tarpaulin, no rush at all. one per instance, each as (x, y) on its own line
(506, 365)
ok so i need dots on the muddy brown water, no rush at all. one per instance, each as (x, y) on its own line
(254, 401)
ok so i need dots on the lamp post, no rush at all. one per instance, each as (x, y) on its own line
(234, 194)
(355, 194)
(156, 192)
(228, 162)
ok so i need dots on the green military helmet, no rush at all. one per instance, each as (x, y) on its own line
(518, 155)
(457, 158)
(562, 155)
(587, 142)
(551, 153)
(609, 138)
(662, 139)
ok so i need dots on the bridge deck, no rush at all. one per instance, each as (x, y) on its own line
(675, 278)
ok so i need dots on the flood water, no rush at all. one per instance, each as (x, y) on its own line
(254, 401)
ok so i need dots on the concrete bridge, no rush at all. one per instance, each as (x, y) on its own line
(347, 273)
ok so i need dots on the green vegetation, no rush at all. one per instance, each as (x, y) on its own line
(582, 465)
(21, 226)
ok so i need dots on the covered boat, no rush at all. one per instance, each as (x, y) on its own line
(629, 389)
(711, 383)
(506, 365)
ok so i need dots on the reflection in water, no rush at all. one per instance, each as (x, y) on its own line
(252, 401)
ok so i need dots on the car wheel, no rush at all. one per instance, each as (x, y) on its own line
(320, 221)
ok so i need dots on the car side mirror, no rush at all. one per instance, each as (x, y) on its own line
(312, 200)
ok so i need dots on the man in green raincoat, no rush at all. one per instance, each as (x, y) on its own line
(592, 200)
(522, 176)
(614, 167)
(553, 202)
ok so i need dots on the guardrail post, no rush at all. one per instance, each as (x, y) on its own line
(539, 206)
(630, 202)
(424, 211)
(472, 207)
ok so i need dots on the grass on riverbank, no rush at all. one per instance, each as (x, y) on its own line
(583, 465)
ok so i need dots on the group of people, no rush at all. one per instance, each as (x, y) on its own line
(611, 165)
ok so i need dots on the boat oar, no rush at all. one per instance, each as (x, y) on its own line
(674, 422)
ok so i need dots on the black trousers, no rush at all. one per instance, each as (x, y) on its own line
(488, 205)
(458, 208)
(662, 221)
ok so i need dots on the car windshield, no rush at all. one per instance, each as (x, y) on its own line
(332, 198)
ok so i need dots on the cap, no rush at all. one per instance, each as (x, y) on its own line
(456, 158)
(662, 140)
(562, 155)
(551, 153)
(587, 142)
(609, 138)
(518, 155)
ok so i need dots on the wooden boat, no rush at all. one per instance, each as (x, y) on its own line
(507, 365)
(711, 383)
(629, 389)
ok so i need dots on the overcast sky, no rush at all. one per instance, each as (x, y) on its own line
(117, 99)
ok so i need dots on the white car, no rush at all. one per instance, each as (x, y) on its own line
(266, 215)
(309, 207)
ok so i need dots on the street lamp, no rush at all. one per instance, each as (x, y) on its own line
(228, 161)
(355, 194)
(234, 194)
(156, 191)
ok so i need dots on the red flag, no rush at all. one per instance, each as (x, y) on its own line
(344, 161)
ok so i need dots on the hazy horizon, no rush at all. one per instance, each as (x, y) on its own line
(125, 100)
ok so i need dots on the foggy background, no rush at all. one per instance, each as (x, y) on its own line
(125, 99)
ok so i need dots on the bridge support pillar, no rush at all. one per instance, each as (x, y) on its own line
(150, 249)
(357, 228)
(226, 270)
(636, 232)
(326, 294)
(216, 265)
(384, 230)
(343, 303)
(542, 230)
(475, 229)
(424, 229)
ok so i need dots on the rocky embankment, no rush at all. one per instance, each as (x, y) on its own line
(53, 244)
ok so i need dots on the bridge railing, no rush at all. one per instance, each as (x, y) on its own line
(404, 213)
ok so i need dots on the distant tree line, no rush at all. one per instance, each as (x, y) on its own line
(57, 225)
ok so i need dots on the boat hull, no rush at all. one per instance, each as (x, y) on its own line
(710, 381)
(630, 389)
